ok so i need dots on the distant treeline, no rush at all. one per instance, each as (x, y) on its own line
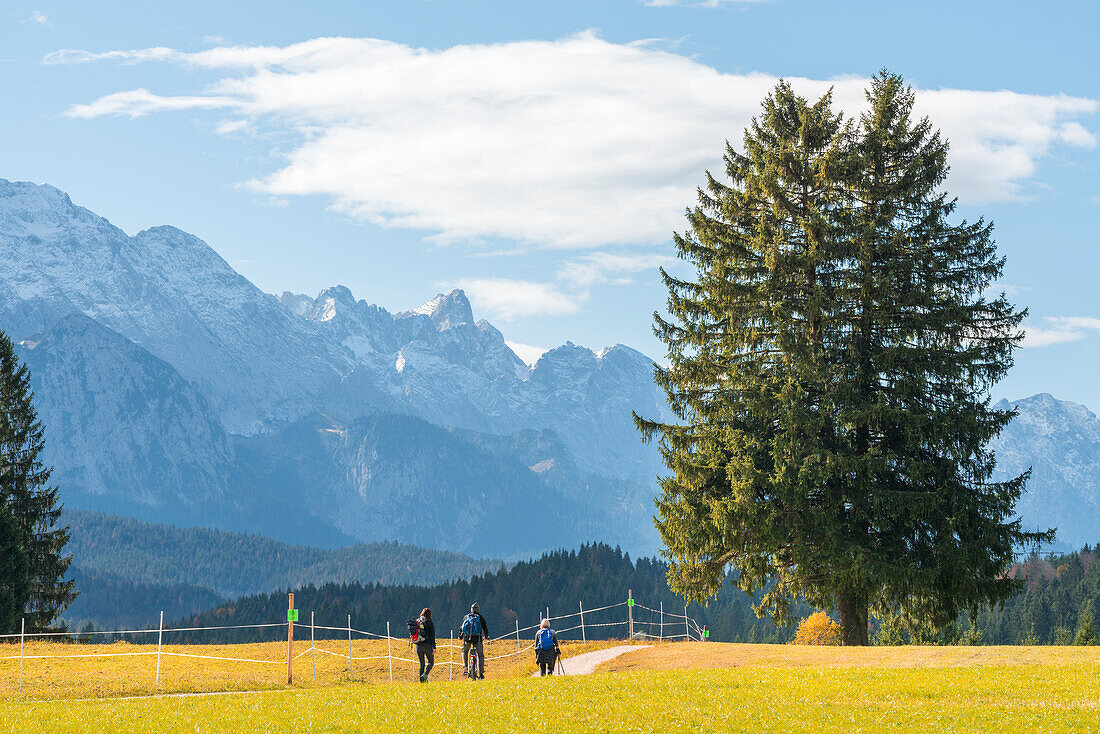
(596, 575)
(1060, 597)
(107, 601)
(1055, 606)
(234, 564)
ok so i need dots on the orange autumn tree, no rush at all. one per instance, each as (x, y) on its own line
(818, 629)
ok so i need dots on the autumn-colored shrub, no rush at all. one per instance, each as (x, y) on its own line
(817, 629)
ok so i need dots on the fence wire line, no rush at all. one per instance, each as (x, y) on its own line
(451, 643)
(146, 631)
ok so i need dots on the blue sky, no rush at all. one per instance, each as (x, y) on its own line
(540, 154)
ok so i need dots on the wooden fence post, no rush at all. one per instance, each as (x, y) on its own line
(22, 634)
(451, 665)
(313, 645)
(687, 630)
(519, 658)
(630, 612)
(160, 636)
(389, 649)
(662, 621)
(351, 673)
(584, 638)
(289, 641)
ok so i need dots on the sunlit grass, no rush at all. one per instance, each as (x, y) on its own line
(993, 698)
(673, 687)
(120, 674)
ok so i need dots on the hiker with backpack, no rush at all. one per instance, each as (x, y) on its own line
(547, 651)
(422, 634)
(473, 633)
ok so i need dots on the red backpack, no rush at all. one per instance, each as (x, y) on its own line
(415, 627)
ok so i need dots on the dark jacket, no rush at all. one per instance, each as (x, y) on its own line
(427, 633)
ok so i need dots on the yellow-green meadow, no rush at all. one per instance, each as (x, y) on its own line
(735, 688)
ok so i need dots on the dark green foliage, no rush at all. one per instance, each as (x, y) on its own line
(15, 585)
(1086, 632)
(28, 504)
(830, 365)
(596, 575)
(1054, 605)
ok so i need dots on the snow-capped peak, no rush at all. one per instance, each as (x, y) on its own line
(447, 309)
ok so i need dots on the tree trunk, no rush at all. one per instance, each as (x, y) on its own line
(853, 618)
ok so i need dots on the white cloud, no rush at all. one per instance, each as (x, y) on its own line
(40, 18)
(609, 267)
(78, 56)
(527, 352)
(572, 143)
(508, 299)
(1060, 329)
(141, 102)
(228, 127)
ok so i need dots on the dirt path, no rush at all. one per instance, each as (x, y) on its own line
(588, 662)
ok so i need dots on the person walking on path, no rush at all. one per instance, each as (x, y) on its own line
(547, 651)
(425, 643)
(473, 633)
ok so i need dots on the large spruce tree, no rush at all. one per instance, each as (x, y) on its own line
(29, 508)
(830, 364)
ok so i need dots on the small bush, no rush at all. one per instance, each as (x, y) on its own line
(817, 629)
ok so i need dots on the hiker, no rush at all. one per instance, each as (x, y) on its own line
(473, 633)
(547, 651)
(425, 643)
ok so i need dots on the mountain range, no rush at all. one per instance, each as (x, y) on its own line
(173, 390)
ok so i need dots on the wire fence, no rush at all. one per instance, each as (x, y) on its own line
(635, 620)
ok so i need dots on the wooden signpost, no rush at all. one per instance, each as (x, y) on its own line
(291, 616)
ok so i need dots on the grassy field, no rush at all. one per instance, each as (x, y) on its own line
(105, 671)
(672, 688)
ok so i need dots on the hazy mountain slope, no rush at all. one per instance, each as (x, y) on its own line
(1060, 441)
(401, 478)
(233, 564)
(126, 433)
(113, 602)
(123, 429)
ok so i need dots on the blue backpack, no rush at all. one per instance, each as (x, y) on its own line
(471, 626)
(545, 640)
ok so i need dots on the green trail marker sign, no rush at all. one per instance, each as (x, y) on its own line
(630, 602)
(706, 633)
(292, 615)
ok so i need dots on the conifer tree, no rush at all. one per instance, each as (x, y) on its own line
(27, 503)
(1086, 632)
(830, 367)
(14, 579)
